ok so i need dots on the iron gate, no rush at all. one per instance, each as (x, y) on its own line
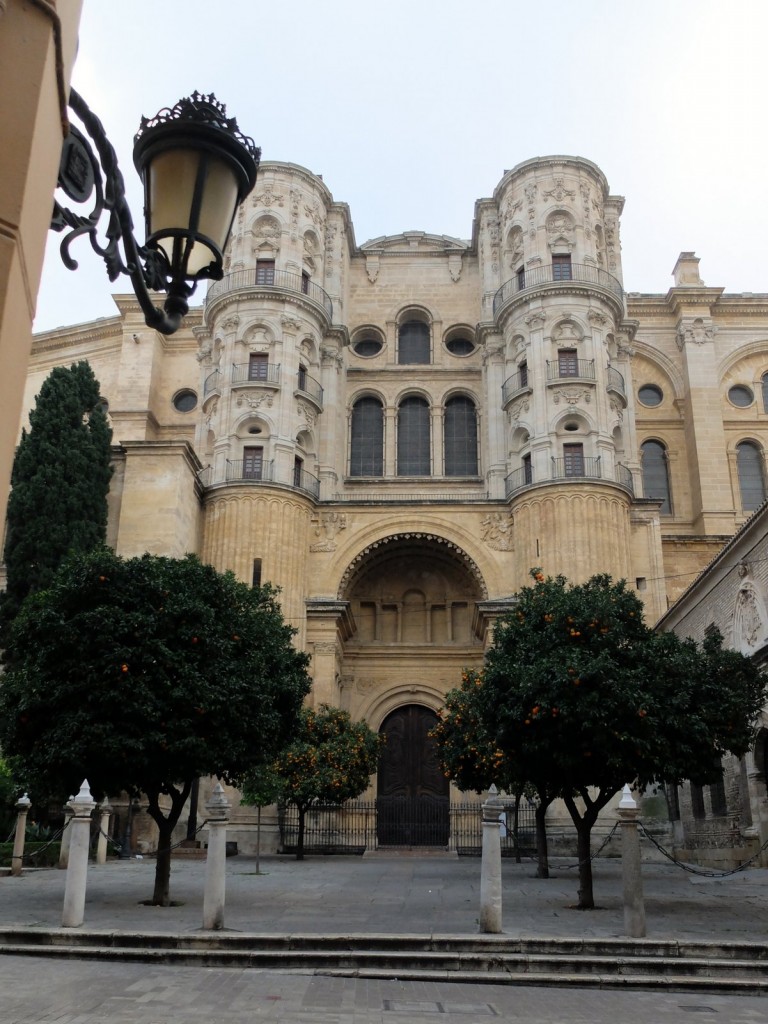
(360, 825)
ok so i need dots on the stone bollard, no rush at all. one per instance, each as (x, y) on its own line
(634, 907)
(105, 813)
(17, 857)
(490, 868)
(66, 836)
(216, 861)
(77, 869)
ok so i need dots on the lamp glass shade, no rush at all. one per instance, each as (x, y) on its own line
(192, 196)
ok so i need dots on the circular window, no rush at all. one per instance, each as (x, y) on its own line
(570, 425)
(741, 396)
(254, 430)
(460, 346)
(184, 401)
(367, 347)
(650, 394)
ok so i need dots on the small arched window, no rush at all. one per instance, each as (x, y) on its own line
(366, 450)
(656, 474)
(765, 392)
(749, 463)
(413, 342)
(460, 437)
(413, 437)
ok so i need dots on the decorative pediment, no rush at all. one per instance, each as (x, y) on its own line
(414, 241)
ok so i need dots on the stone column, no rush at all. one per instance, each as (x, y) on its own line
(105, 813)
(490, 869)
(77, 869)
(215, 865)
(66, 836)
(634, 907)
(17, 858)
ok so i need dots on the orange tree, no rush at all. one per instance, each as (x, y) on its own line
(581, 696)
(473, 759)
(330, 760)
(143, 674)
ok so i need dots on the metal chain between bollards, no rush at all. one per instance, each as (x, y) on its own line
(598, 851)
(167, 849)
(36, 853)
(706, 872)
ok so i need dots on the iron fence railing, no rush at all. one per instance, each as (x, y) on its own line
(536, 277)
(401, 822)
(279, 280)
(309, 386)
(572, 468)
(616, 381)
(580, 368)
(512, 385)
(256, 373)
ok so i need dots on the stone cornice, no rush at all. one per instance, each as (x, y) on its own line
(644, 305)
(435, 245)
(547, 164)
(183, 448)
(296, 171)
(108, 328)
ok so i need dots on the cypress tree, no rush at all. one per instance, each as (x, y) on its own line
(60, 480)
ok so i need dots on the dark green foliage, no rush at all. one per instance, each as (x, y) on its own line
(581, 696)
(143, 674)
(331, 759)
(60, 482)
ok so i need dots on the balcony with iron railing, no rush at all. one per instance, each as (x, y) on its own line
(249, 471)
(311, 388)
(616, 382)
(554, 276)
(212, 383)
(572, 369)
(515, 385)
(570, 468)
(281, 281)
(256, 373)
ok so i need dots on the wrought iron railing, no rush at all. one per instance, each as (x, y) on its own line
(624, 477)
(212, 381)
(305, 481)
(581, 467)
(276, 280)
(401, 822)
(535, 277)
(583, 369)
(517, 382)
(616, 381)
(250, 471)
(517, 479)
(256, 373)
(366, 497)
(309, 386)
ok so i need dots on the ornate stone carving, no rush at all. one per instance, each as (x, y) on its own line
(372, 267)
(530, 193)
(268, 197)
(572, 396)
(496, 531)
(749, 621)
(331, 356)
(617, 409)
(212, 414)
(366, 686)
(256, 401)
(325, 646)
(567, 333)
(309, 415)
(315, 212)
(536, 320)
(454, 265)
(695, 330)
(596, 318)
(231, 323)
(559, 191)
(519, 406)
(327, 526)
(291, 323)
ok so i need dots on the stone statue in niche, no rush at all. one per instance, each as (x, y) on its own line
(749, 628)
(496, 531)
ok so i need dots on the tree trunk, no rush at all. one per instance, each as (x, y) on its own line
(300, 839)
(516, 829)
(584, 823)
(258, 840)
(542, 851)
(161, 896)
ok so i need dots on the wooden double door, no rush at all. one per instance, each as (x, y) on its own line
(412, 805)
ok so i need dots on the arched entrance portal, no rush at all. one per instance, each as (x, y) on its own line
(413, 801)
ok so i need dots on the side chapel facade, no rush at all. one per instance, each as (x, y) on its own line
(395, 432)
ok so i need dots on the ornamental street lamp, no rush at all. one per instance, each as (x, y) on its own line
(197, 167)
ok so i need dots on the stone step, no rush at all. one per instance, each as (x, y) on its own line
(482, 959)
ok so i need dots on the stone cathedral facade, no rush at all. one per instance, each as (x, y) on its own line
(395, 432)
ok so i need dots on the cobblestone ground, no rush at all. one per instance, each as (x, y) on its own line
(36, 991)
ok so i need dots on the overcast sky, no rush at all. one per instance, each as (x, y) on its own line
(413, 109)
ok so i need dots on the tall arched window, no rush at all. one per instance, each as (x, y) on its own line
(765, 392)
(749, 462)
(413, 342)
(366, 450)
(460, 437)
(656, 474)
(413, 447)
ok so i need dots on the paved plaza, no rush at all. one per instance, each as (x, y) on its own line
(347, 895)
